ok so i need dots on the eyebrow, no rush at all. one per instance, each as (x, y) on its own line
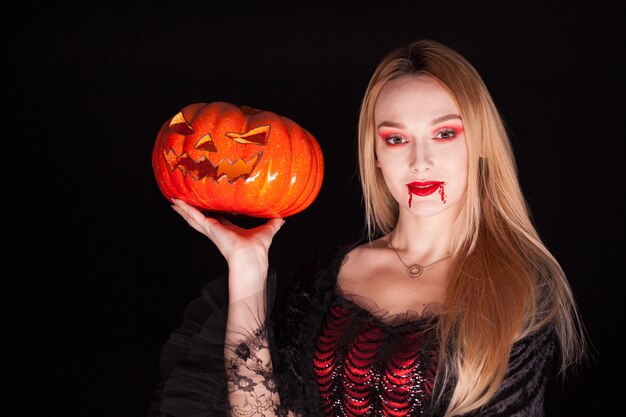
(445, 118)
(433, 122)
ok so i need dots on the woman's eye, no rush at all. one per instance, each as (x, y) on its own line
(446, 134)
(395, 140)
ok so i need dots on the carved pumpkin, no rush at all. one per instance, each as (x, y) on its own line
(236, 159)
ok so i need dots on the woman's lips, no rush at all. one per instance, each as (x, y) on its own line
(425, 188)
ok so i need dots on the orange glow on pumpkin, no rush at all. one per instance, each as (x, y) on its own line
(235, 159)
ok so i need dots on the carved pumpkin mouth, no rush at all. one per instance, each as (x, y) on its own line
(203, 168)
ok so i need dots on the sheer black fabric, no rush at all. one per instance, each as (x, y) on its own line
(194, 378)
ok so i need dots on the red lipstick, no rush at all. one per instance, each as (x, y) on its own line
(422, 189)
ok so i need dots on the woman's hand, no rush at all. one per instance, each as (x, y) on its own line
(235, 243)
(246, 250)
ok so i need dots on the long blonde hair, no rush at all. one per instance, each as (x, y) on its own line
(499, 254)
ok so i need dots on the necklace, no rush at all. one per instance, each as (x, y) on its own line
(414, 270)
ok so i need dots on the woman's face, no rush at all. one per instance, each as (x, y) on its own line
(420, 145)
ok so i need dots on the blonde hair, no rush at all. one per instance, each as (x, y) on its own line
(499, 254)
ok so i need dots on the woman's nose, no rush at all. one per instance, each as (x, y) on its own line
(420, 158)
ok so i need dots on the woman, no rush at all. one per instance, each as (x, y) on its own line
(450, 306)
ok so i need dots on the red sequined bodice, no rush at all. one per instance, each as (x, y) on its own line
(366, 368)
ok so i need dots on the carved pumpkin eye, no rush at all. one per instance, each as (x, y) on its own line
(258, 135)
(202, 156)
(180, 125)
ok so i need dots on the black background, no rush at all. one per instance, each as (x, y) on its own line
(98, 266)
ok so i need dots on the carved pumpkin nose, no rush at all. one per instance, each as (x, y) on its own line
(206, 144)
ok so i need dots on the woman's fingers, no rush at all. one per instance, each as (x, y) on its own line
(275, 224)
(222, 231)
(235, 243)
(189, 219)
(194, 217)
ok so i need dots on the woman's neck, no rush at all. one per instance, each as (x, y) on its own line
(423, 237)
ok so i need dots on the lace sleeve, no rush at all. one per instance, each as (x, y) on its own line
(248, 363)
(201, 372)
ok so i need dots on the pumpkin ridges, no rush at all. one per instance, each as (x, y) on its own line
(307, 187)
(295, 168)
(303, 171)
(314, 182)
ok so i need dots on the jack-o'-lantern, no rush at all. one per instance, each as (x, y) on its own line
(235, 159)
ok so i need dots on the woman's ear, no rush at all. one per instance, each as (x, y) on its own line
(377, 163)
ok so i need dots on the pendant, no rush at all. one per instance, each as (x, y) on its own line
(416, 270)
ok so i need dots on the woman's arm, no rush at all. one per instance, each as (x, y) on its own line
(247, 358)
(248, 364)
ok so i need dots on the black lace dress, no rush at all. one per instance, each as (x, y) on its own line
(331, 357)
